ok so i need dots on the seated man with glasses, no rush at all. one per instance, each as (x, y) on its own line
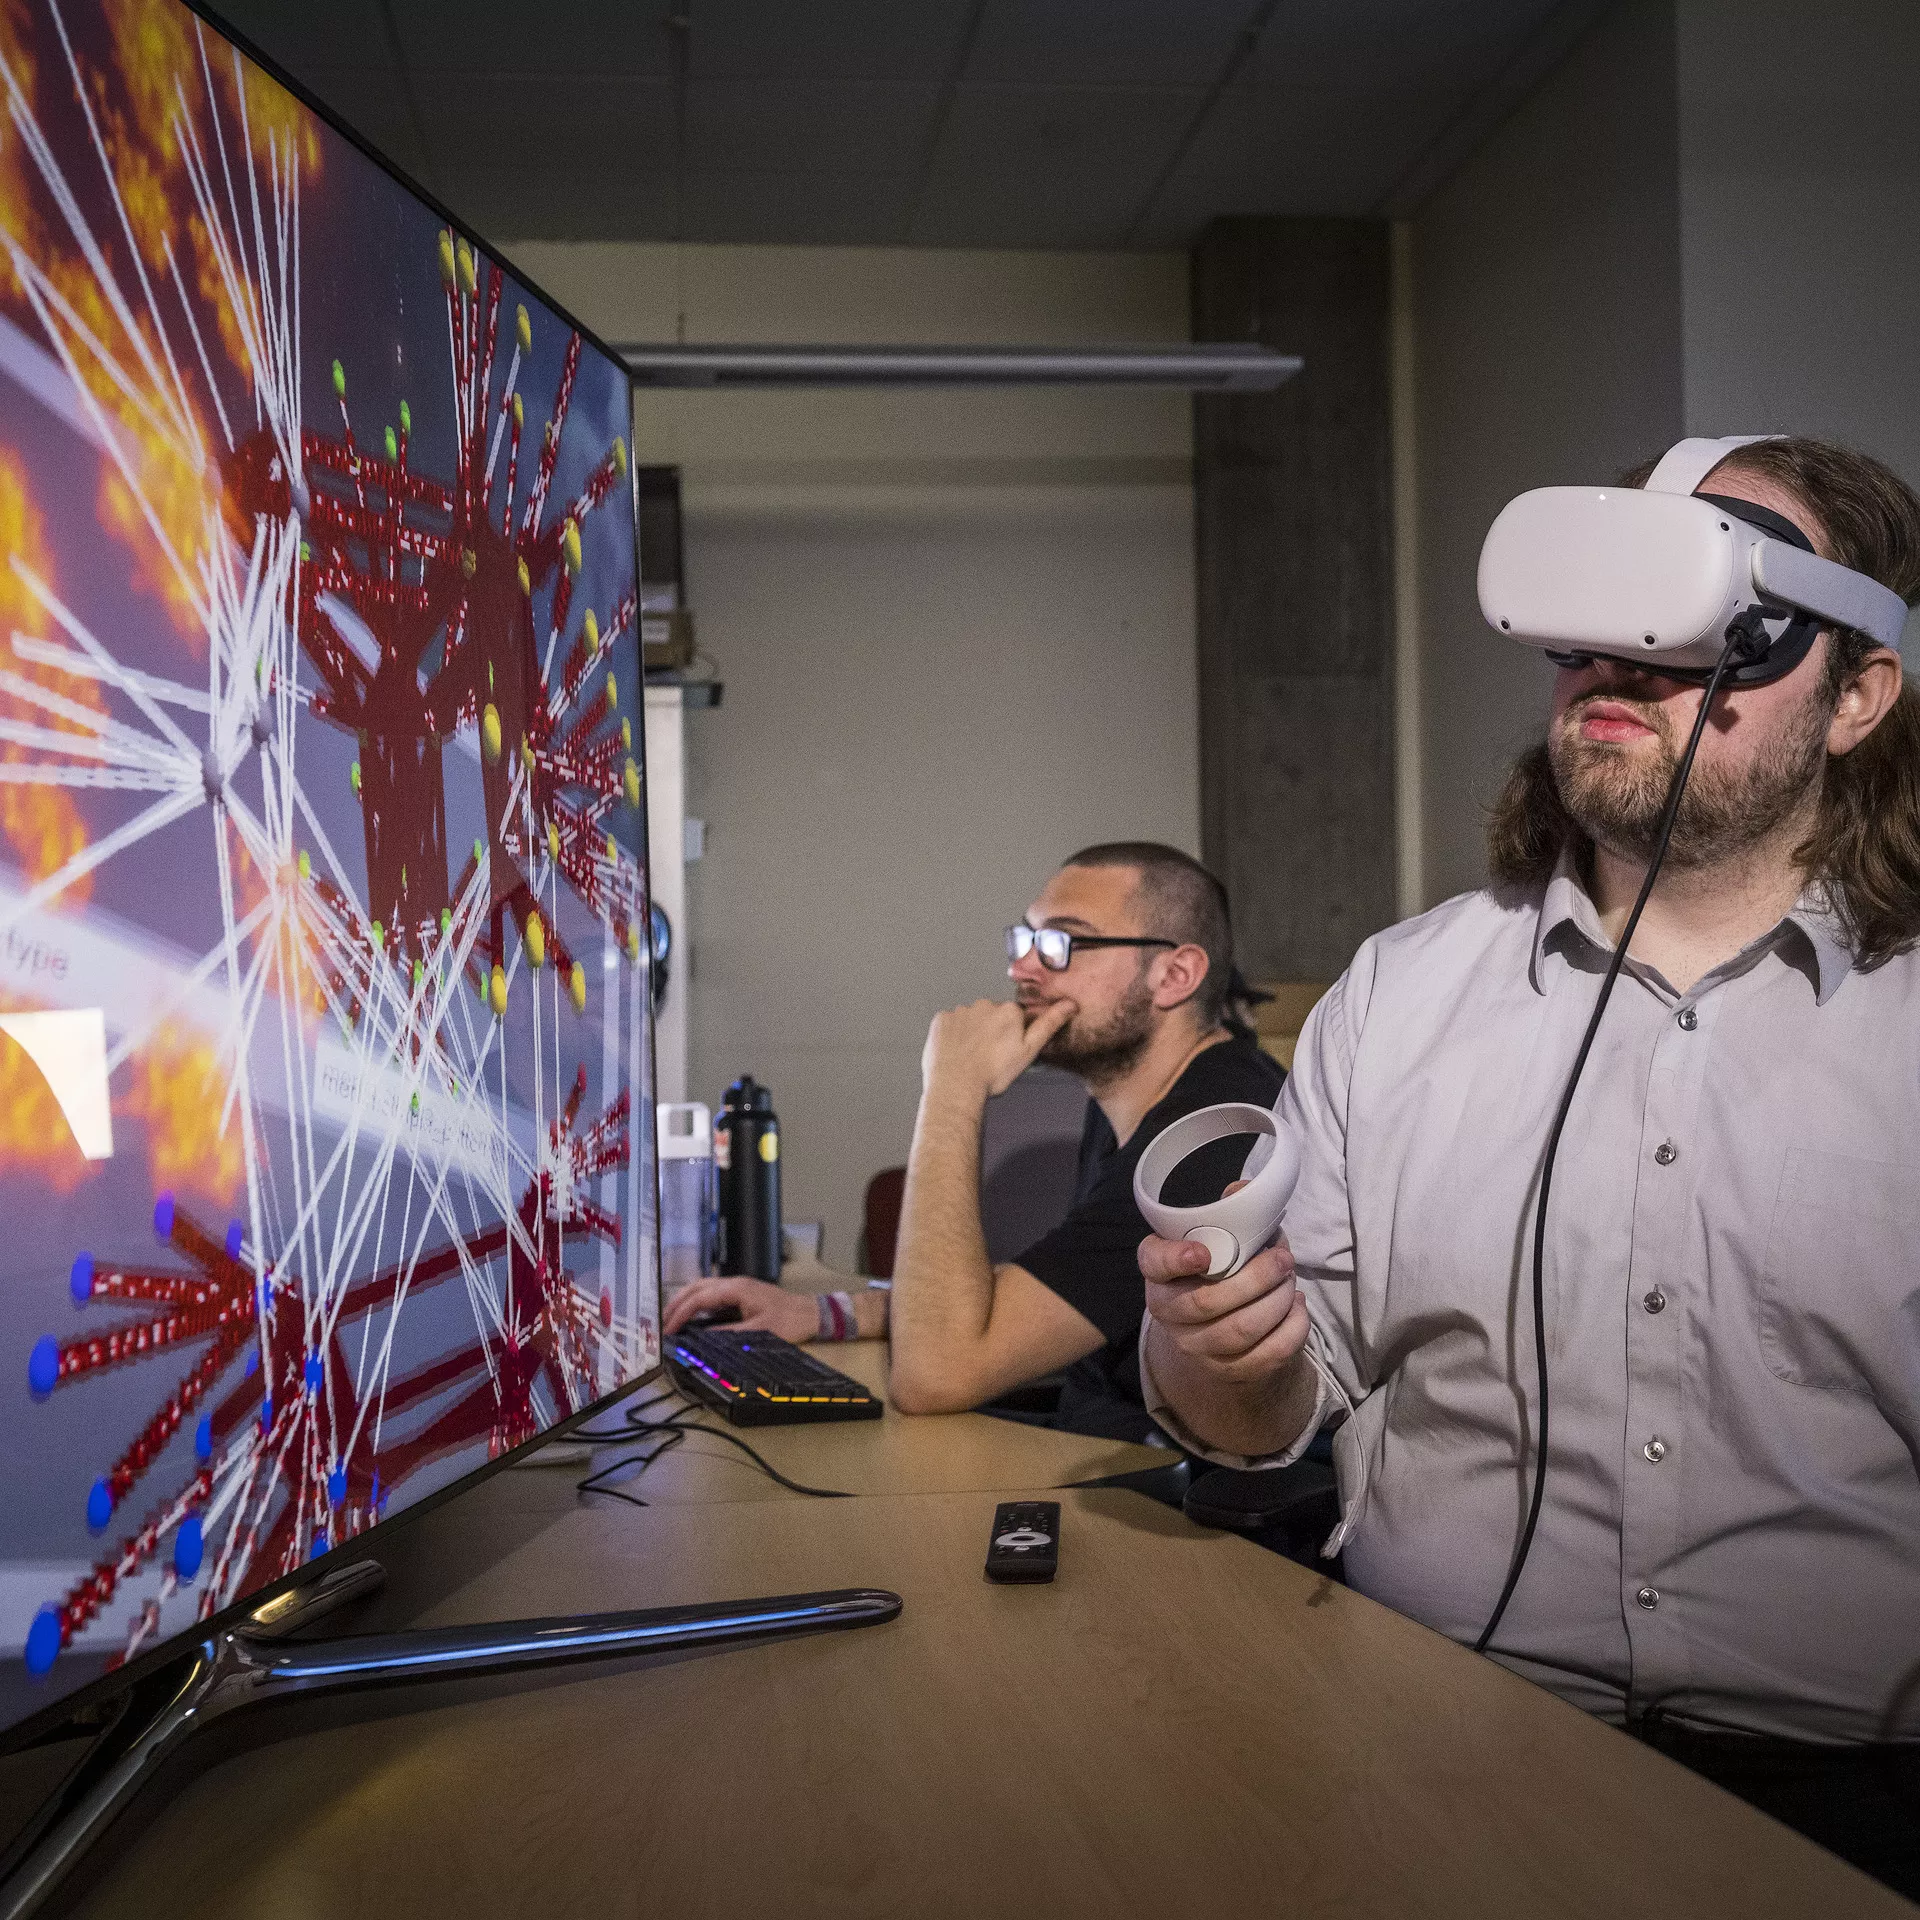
(1123, 975)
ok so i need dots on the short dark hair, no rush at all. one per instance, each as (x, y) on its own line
(1865, 846)
(1184, 901)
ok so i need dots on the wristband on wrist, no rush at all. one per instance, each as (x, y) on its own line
(836, 1317)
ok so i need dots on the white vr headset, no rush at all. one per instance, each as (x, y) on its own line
(1658, 575)
(1664, 577)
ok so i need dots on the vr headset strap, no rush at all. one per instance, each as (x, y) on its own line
(1684, 465)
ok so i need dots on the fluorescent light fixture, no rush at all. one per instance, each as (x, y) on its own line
(1203, 368)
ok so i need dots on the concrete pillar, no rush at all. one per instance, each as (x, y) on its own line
(1294, 577)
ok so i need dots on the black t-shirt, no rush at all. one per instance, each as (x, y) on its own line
(1091, 1258)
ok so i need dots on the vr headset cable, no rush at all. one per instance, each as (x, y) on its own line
(1747, 640)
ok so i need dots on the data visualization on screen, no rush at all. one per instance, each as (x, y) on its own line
(325, 1087)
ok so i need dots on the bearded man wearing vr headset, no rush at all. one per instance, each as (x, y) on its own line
(1718, 1545)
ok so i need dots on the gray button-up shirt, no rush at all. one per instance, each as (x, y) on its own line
(1731, 1528)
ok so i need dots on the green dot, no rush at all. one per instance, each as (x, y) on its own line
(393, 445)
(406, 418)
(479, 851)
(339, 380)
(379, 936)
(306, 865)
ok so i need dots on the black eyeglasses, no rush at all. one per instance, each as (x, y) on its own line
(1055, 945)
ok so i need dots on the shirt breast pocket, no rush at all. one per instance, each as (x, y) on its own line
(1840, 1293)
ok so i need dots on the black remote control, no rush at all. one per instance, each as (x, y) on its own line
(1025, 1544)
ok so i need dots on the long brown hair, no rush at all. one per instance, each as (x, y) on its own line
(1864, 850)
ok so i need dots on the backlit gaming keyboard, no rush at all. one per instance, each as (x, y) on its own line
(760, 1380)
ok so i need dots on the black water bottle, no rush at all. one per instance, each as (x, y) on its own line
(746, 1161)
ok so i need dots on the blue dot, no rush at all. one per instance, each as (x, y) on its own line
(316, 1374)
(43, 1640)
(99, 1505)
(234, 1237)
(203, 1438)
(253, 1362)
(189, 1547)
(266, 1416)
(376, 1498)
(320, 1544)
(80, 1280)
(337, 1485)
(43, 1365)
(163, 1217)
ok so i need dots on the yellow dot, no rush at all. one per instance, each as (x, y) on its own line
(469, 278)
(577, 987)
(522, 332)
(535, 941)
(526, 579)
(553, 841)
(631, 782)
(626, 734)
(570, 545)
(613, 695)
(620, 458)
(590, 628)
(446, 256)
(490, 731)
(497, 991)
(633, 944)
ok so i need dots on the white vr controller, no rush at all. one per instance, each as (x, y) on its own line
(1234, 1228)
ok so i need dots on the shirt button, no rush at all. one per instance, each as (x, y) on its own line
(1654, 1302)
(1649, 1598)
(1666, 1153)
(1688, 1019)
(1655, 1449)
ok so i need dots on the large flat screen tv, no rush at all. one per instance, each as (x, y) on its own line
(326, 1163)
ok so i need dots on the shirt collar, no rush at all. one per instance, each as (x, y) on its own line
(1812, 923)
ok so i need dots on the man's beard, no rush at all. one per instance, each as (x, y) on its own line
(1107, 1052)
(1618, 797)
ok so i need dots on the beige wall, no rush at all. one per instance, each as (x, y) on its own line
(1546, 304)
(957, 636)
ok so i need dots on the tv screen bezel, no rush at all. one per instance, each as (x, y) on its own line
(56, 1719)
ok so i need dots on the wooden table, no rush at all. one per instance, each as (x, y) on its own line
(1181, 1724)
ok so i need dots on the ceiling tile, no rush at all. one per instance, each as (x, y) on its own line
(1118, 136)
(1394, 45)
(546, 122)
(1127, 43)
(603, 37)
(300, 35)
(913, 41)
(824, 127)
(818, 209)
(1294, 152)
(506, 204)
